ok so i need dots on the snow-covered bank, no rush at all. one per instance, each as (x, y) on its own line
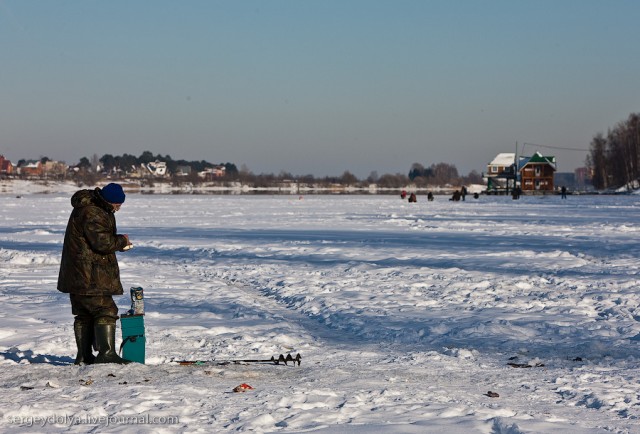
(406, 316)
(144, 186)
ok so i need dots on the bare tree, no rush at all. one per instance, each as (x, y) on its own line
(597, 161)
(348, 178)
(614, 160)
(473, 178)
(393, 181)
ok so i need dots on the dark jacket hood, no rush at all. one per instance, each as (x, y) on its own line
(84, 198)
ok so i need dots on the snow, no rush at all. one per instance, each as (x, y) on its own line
(406, 316)
(505, 159)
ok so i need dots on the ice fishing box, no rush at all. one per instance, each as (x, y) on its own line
(133, 339)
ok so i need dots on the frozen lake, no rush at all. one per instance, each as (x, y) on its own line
(406, 315)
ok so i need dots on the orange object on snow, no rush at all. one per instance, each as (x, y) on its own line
(242, 388)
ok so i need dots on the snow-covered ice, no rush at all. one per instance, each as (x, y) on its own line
(406, 316)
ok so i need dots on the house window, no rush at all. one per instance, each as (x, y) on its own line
(537, 170)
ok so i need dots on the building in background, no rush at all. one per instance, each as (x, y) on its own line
(501, 174)
(537, 173)
(6, 168)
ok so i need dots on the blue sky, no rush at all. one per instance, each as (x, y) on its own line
(316, 87)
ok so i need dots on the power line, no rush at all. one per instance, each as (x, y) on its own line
(554, 147)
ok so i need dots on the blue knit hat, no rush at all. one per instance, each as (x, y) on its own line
(113, 193)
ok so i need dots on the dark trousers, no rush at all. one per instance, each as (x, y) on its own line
(96, 309)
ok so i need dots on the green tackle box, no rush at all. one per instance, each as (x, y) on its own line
(133, 339)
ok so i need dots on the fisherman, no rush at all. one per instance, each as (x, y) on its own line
(89, 271)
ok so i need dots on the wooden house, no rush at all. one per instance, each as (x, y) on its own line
(536, 172)
(501, 174)
(55, 169)
(211, 173)
(6, 168)
(31, 169)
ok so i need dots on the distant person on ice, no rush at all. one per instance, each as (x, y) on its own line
(89, 271)
(413, 198)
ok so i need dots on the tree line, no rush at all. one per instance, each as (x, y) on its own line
(126, 163)
(614, 160)
(90, 170)
(441, 174)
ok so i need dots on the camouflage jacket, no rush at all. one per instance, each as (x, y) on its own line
(89, 265)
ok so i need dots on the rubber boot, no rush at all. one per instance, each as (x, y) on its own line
(84, 340)
(106, 341)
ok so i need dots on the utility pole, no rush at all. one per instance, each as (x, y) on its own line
(515, 168)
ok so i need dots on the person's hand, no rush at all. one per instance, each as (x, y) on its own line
(129, 245)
